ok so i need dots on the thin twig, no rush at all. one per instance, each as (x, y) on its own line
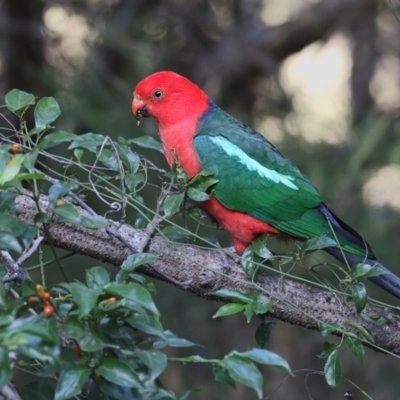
(9, 393)
(13, 267)
(8, 121)
(29, 252)
(154, 167)
(114, 206)
(16, 296)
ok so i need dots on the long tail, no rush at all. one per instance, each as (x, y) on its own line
(389, 281)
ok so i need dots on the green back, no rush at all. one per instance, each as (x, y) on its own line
(256, 179)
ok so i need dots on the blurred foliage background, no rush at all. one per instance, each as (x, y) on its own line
(320, 79)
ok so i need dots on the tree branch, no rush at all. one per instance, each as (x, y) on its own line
(203, 273)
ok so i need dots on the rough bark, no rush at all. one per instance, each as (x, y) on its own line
(202, 272)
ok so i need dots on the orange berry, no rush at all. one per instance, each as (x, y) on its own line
(48, 310)
(32, 299)
(77, 350)
(16, 148)
(59, 203)
(46, 296)
(111, 300)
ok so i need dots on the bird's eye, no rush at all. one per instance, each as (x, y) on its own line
(158, 94)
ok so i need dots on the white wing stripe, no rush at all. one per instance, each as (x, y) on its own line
(252, 165)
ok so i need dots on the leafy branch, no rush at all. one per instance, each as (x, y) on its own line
(104, 335)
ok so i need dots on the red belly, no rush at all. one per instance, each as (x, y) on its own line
(242, 227)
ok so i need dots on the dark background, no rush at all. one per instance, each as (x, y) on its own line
(319, 79)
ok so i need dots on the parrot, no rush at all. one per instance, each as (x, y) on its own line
(257, 190)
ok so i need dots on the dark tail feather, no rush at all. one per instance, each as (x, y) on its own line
(389, 281)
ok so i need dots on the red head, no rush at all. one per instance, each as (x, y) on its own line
(169, 98)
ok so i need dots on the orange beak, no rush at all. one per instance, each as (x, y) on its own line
(139, 108)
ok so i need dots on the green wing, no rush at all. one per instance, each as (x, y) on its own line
(256, 179)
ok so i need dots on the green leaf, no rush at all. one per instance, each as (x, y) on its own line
(37, 390)
(109, 159)
(154, 360)
(317, 243)
(9, 242)
(173, 341)
(327, 349)
(258, 246)
(34, 131)
(261, 304)
(131, 263)
(46, 111)
(32, 348)
(5, 319)
(147, 324)
(377, 320)
(132, 291)
(30, 160)
(118, 372)
(29, 234)
(57, 191)
(364, 331)
(128, 157)
(36, 325)
(135, 260)
(5, 367)
(333, 369)
(71, 382)
(266, 357)
(327, 329)
(93, 221)
(97, 277)
(7, 199)
(112, 391)
(90, 141)
(229, 309)
(249, 312)
(55, 138)
(355, 346)
(248, 264)
(235, 295)
(147, 142)
(364, 271)
(263, 333)
(175, 233)
(18, 101)
(132, 180)
(12, 169)
(41, 218)
(85, 298)
(78, 153)
(26, 176)
(88, 340)
(198, 194)
(172, 203)
(67, 213)
(360, 297)
(221, 374)
(244, 371)
(203, 181)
